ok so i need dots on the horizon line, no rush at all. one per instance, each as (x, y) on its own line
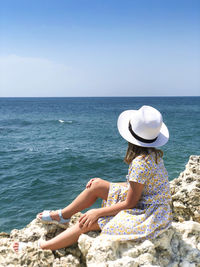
(96, 96)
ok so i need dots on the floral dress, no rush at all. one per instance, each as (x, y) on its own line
(152, 215)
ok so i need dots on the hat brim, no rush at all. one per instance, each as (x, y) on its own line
(123, 122)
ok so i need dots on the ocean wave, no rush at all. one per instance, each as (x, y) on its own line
(10, 125)
(17, 150)
(6, 130)
(15, 123)
(62, 121)
(38, 182)
(53, 122)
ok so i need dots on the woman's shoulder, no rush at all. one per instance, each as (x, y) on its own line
(139, 170)
(148, 161)
(140, 161)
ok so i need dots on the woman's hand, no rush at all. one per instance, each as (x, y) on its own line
(88, 218)
(90, 182)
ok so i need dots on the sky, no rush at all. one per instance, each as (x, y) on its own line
(66, 48)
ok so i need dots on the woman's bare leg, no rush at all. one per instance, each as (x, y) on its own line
(98, 189)
(64, 239)
(68, 237)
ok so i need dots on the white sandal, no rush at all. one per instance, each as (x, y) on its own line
(23, 245)
(46, 218)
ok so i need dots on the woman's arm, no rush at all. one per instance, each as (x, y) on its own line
(133, 196)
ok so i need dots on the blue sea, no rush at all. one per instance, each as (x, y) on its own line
(51, 147)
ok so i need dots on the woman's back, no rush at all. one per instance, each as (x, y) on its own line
(151, 172)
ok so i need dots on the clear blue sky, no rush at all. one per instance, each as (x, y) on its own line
(99, 47)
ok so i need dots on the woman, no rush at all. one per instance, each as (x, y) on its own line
(135, 210)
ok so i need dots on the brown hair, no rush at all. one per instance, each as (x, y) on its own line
(134, 151)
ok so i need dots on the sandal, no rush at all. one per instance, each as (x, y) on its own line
(46, 218)
(23, 245)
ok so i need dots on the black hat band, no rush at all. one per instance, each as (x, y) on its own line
(138, 137)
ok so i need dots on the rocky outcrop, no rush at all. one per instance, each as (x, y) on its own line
(185, 192)
(33, 256)
(177, 246)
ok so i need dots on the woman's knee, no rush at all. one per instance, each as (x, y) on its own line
(99, 183)
(100, 187)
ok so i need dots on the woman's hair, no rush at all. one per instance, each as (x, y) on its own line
(134, 151)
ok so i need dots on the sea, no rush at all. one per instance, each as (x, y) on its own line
(51, 147)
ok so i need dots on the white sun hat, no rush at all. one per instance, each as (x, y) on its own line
(143, 127)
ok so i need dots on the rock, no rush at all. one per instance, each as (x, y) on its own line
(32, 256)
(69, 261)
(178, 246)
(185, 192)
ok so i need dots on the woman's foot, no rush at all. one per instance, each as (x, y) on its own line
(53, 214)
(19, 246)
(53, 217)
